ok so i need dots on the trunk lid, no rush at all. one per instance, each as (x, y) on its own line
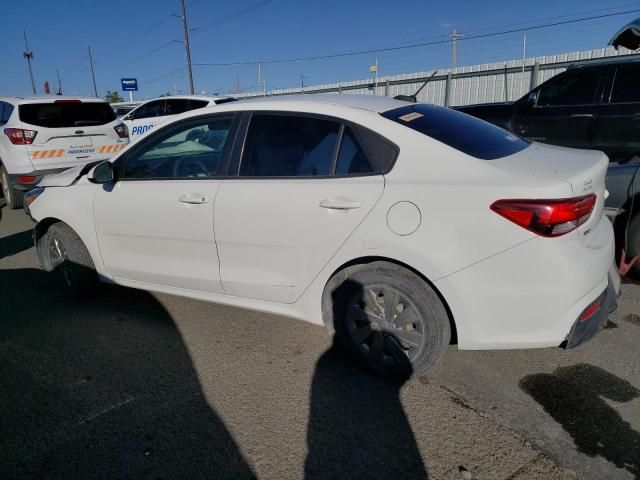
(584, 172)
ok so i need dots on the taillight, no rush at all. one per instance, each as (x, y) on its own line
(122, 130)
(19, 136)
(27, 179)
(549, 218)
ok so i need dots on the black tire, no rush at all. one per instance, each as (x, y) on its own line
(13, 196)
(633, 248)
(67, 257)
(403, 338)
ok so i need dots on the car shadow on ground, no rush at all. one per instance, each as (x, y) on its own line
(574, 397)
(90, 391)
(16, 243)
(357, 424)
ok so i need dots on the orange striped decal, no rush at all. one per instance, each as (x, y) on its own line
(51, 153)
(101, 149)
(60, 152)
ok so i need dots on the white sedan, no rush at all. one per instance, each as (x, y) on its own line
(399, 226)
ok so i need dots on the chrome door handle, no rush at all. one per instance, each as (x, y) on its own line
(582, 115)
(193, 198)
(340, 204)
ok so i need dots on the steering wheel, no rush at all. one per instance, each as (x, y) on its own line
(195, 162)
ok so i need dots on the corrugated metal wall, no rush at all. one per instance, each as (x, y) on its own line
(489, 82)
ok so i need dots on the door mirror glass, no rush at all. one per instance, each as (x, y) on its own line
(102, 173)
(532, 99)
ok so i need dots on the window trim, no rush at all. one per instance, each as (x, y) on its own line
(169, 130)
(613, 86)
(596, 100)
(243, 131)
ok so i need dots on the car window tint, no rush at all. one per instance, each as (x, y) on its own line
(176, 106)
(191, 152)
(627, 84)
(574, 88)
(151, 109)
(458, 130)
(289, 146)
(194, 104)
(351, 159)
(66, 114)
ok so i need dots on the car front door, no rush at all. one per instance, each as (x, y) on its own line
(144, 118)
(155, 224)
(304, 184)
(562, 110)
(617, 130)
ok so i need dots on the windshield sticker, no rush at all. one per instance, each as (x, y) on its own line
(410, 116)
(511, 138)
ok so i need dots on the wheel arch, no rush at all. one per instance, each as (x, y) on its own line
(334, 279)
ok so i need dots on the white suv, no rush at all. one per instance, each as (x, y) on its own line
(146, 116)
(44, 135)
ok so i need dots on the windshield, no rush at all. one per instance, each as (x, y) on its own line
(66, 114)
(458, 130)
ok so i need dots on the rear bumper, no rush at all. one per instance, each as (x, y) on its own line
(530, 295)
(23, 181)
(586, 327)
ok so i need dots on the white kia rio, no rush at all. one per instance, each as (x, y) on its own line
(399, 226)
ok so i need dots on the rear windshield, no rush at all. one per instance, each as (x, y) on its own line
(463, 132)
(72, 114)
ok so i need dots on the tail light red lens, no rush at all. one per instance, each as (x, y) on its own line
(122, 130)
(19, 136)
(549, 218)
(27, 179)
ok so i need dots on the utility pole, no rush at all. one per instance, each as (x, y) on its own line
(261, 87)
(59, 92)
(302, 79)
(28, 55)
(454, 44)
(186, 45)
(93, 74)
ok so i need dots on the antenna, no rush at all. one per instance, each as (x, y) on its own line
(28, 55)
(59, 92)
(414, 98)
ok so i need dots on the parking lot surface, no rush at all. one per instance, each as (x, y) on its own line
(140, 385)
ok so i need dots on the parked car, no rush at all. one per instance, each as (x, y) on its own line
(594, 106)
(122, 108)
(396, 225)
(44, 135)
(142, 119)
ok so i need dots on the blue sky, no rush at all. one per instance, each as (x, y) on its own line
(124, 34)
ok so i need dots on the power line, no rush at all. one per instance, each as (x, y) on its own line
(168, 74)
(414, 45)
(231, 16)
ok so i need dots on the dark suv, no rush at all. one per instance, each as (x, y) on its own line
(594, 106)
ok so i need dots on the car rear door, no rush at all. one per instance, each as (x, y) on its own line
(304, 184)
(617, 129)
(564, 112)
(70, 132)
(155, 225)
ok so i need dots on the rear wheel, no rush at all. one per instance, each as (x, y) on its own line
(67, 257)
(13, 196)
(389, 319)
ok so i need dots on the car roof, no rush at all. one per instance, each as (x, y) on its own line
(51, 99)
(186, 97)
(365, 102)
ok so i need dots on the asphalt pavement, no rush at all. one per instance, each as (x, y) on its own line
(131, 384)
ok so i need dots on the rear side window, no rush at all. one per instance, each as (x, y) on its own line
(66, 114)
(195, 104)
(289, 146)
(463, 132)
(351, 158)
(150, 109)
(5, 112)
(627, 84)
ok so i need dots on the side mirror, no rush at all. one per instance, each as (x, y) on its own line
(126, 117)
(532, 99)
(102, 173)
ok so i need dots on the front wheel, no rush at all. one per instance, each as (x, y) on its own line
(67, 257)
(389, 319)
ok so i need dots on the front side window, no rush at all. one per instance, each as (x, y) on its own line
(289, 146)
(574, 88)
(626, 87)
(176, 106)
(191, 152)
